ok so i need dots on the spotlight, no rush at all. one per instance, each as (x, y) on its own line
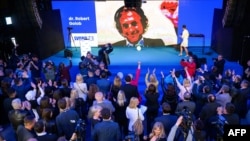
(13, 39)
(138, 48)
(8, 20)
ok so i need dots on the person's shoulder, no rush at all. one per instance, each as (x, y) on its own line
(153, 42)
(71, 112)
(152, 39)
(121, 43)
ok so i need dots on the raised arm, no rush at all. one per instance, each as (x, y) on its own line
(137, 73)
(156, 80)
(164, 89)
(42, 93)
(146, 78)
(188, 75)
(175, 79)
(173, 130)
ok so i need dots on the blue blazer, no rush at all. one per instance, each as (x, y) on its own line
(106, 131)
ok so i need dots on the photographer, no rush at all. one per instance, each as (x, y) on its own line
(103, 54)
(219, 63)
(179, 132)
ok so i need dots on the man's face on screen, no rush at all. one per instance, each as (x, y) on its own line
(131, 25)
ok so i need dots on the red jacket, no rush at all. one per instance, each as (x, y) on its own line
(135, 80)
(191, 67)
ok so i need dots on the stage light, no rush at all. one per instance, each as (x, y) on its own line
(138, 48)
(8, 20)
(13, 39)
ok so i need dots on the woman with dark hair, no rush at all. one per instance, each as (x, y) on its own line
(115, 88)
(64, 71)
(45, 103)
(94, 115)
(199, 132)
(49, 121)
(120, 103)
(169, 94)
(152, 104)
(93, 88)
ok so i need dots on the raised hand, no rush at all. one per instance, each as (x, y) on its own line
(179, 121)
(154, 70)
(162, 74)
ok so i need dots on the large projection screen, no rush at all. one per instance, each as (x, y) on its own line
(92, 22)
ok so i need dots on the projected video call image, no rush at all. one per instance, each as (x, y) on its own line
(154, 24)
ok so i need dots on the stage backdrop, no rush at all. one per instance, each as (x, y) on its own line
(91, 23)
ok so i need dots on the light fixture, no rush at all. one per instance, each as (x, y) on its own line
(13, 39)
(8, 20)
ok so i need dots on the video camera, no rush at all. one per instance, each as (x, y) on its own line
(187, 117)
(80, 130)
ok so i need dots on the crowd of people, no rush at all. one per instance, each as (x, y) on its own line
(40, 101)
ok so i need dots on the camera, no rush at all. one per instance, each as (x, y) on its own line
(80, 130)
(187, 117)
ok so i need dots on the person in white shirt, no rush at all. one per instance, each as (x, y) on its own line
(184, 43)
(132, 112)
(81, 87)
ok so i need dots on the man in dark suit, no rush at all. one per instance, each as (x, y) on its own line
(67, 120)
(42, 135)
(167, 119)
(209, 110)
(107, 130)
(146, 42)
(187, 103)
(219, 63)
(129, 89)
(132, 23)
(26, 131)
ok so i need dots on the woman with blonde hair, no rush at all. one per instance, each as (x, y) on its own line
(132, 112)
(158, 132)
(78, 104)
(81, 87)
(73, 96)
(121, 98)
(94, 115)
(151, 79)
(120, 104)
(115, 88)
(186, 86)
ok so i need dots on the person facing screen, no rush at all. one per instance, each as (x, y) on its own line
(132, 23)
